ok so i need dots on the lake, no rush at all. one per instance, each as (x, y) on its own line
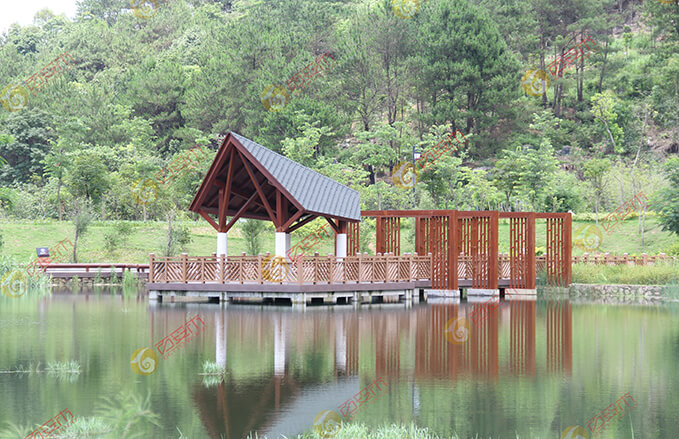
(527, 368)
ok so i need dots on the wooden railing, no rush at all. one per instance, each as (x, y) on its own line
(314, 270)
(464, 268)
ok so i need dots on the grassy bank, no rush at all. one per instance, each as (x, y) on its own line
(658, 274)
(21, 239)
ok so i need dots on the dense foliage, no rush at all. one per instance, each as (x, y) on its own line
(144, 91)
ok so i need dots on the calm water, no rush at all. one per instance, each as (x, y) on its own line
(532, 368)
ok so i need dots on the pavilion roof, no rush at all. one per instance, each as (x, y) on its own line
(285, 190)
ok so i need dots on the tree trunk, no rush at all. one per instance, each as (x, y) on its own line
(169, 233)
(75, 247)
(603, 67)
(59, 207)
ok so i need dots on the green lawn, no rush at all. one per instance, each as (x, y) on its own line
(21, 239)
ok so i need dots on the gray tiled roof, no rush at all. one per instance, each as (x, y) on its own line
(314, 191)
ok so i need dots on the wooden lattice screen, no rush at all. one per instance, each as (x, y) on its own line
(389, 235)
(477, 241)
(353, 233)
(521, 250)
(558, 254)
(433, 238)
(465, 245)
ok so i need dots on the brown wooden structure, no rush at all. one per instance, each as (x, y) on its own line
(247, 180)
(466, 243)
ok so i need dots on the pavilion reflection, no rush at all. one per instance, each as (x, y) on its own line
(307, 362)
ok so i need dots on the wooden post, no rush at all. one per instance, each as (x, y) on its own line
(493, 265)
(331, 263)
(221, 270)
(151, 273)
(299, 262)
(315, 268)
(259, 267)
(183, 259)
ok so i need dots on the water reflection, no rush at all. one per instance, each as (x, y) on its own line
(528, 368)
(318, 359)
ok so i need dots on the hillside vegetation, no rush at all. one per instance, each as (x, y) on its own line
(145, 86)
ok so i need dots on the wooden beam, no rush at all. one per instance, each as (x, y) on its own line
(240, 212)
(211, 174)
(301, 223)
(225, 193)
(208, 219)
(292, 219)
(259, 189)
(214, 211)
(235, 192)
(334, 226)
(279, 206)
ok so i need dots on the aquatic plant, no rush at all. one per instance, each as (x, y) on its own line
(213, 374)
(63, 367)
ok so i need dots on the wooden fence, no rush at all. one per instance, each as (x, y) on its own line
(352, 269)
(265, 269)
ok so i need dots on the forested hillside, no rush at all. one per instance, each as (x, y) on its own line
(141, 86)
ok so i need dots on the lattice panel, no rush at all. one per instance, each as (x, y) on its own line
(435, 241)
(475, 245)
(160, 271)
(353, 233)
(393, 235)
(556, 252)
(518, 265)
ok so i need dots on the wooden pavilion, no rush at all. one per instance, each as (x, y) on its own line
(453, 249)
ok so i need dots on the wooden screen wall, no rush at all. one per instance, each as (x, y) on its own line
(521, 249)
(353, 233)
(389, 235)
(558, 254)
(478, 241)
(471, 238)
(432, 236)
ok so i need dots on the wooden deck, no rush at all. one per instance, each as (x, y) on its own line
(328, 279)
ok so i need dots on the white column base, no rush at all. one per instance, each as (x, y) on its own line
(222, 243)
(282, 243)
(341, 245)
